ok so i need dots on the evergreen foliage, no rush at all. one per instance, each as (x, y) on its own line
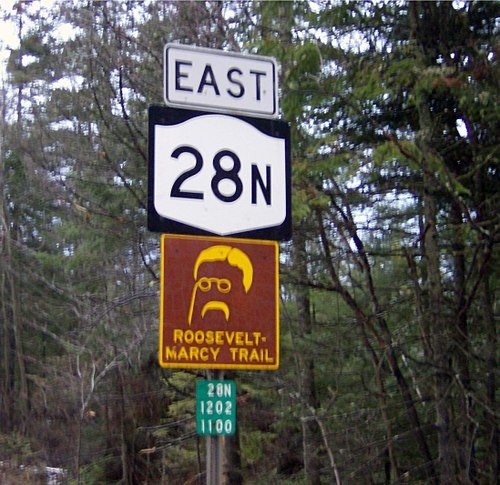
(389, 287)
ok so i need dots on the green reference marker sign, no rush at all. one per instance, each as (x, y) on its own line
(215, 407)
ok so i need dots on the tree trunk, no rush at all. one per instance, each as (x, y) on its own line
(441, 334)
(487, 212)
(13, 339)
(6, 371)
(232, 460)
(439, 324)
(18, 339)
(310, 429)
(493, 459)
(126, 431)
(384, 339)
(78, 448)
(465, 429)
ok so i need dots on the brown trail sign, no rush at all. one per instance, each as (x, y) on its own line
(219, 303)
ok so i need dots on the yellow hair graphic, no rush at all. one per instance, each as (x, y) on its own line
(234, 256)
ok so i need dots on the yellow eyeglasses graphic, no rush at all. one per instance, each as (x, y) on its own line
(205, 284)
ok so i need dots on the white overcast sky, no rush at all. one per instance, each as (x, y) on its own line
(8, 37)
(9, 29)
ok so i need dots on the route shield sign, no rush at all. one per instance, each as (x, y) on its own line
(219, 306)
(218, 175)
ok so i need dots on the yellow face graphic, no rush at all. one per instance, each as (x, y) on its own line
(235, 257)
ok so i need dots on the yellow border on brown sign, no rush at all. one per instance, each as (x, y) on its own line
(181, 365)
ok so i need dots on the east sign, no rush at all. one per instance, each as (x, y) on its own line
(219, 306)
(219, 175)
(215, 80)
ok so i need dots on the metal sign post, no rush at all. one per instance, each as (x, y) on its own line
(219, 183)
(214, 444)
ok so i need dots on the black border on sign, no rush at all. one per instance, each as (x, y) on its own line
(162, 115)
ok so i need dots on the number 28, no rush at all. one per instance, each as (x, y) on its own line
(221, 174)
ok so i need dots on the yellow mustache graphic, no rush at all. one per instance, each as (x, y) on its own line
(216, 305)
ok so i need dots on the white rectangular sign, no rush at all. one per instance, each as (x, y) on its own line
(215, 80)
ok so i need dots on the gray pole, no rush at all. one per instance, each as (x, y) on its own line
(214, 444)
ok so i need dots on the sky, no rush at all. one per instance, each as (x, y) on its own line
(9, 28)
(8, 36)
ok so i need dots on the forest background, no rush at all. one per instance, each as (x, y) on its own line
(389, 287)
